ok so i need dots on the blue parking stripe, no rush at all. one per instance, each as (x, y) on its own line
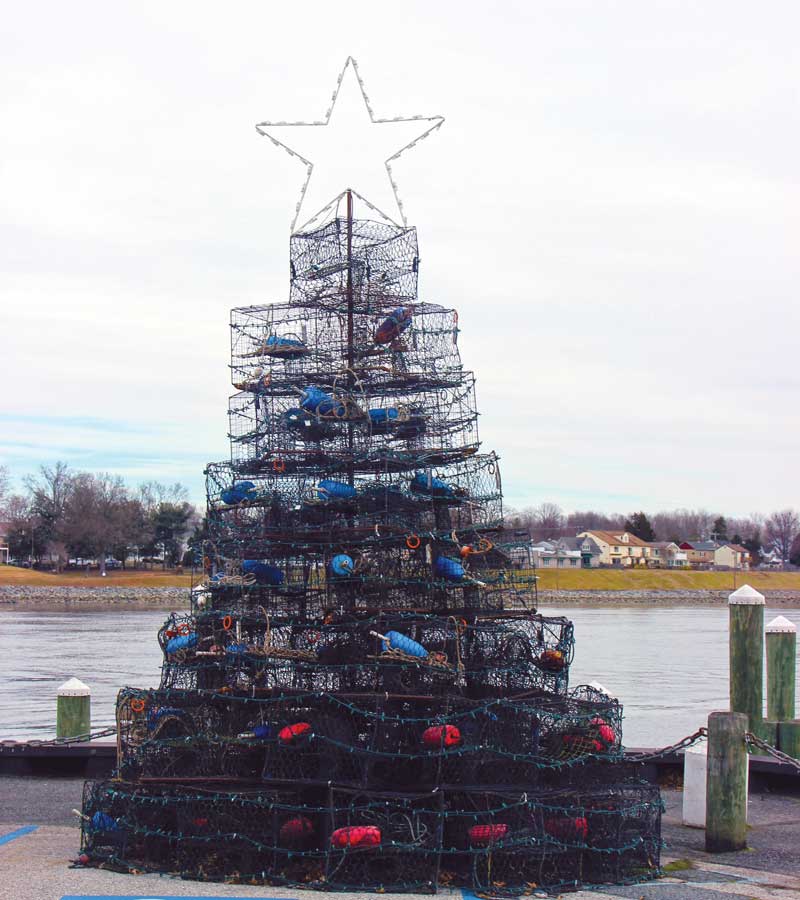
(159, 896)
(12, 835)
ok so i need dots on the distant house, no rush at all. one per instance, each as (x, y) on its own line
(700, 553)
(589, 550)
(549, 555)
(732, 556)
(667, 555)
(770, 559)
(619, 548)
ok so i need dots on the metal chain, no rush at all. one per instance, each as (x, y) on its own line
(57, 742)
(682, 744)
(778, 754)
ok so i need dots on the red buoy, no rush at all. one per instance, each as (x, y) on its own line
(485, 835)
(604, 731)
(296, 830)
(441, 736)
(356, 836)
(567, 829)
(291, 733)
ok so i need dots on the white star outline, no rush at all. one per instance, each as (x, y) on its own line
(434, 123)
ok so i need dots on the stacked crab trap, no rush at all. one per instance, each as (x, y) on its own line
(362, 695)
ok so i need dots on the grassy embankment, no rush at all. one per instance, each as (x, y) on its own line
(663, 580)
(564, 579)
(12, 575)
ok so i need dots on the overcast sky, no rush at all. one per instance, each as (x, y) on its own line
(612, 206)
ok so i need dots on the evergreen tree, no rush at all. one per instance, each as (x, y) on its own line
(720, 529)
(639, 525)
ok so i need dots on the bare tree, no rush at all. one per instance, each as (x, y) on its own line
(49, 494)
(96, 515)
(781, 528)
(683, 524)
(547, 520)
(153, 493)
(591, 520)
(5, 482)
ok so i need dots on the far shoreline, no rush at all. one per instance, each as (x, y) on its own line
(166, 599)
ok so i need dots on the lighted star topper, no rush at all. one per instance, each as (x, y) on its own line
(430, 124)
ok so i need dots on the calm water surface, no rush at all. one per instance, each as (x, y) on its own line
(669, 667)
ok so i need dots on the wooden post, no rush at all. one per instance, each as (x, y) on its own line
(781, 666)
(746, 646)
(726, 783)
(73, 709)
(789, 737)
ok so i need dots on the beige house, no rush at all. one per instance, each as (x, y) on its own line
(619, 548)
(732, 556)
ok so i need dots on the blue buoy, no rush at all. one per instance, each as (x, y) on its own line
(242, 490)
(103, 822)
(381, 416)
(182, 642)
(449, 569)
(236, 648)
(342, 565)
(156, 715)
(398, 641)
(421, 484)
(281, 346)
(335, 490)
(318, 401)
(264, 572)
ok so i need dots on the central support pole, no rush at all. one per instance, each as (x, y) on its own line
(746, 643)
(350, 348)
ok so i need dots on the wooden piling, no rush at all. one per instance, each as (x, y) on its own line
(746, 647)
(726, 783)
(781, 666)
(73, 709)
(789, 738)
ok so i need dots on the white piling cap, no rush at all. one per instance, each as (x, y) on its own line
(781, 625)
(74, 688)
(746, 596)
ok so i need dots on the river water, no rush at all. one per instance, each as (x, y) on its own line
(668, 666)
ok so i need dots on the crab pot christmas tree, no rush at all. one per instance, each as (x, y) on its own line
(362, 695)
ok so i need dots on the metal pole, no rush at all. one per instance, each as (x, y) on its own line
(746, 648)
(350, 347)
(781, 669)
(726, 783)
